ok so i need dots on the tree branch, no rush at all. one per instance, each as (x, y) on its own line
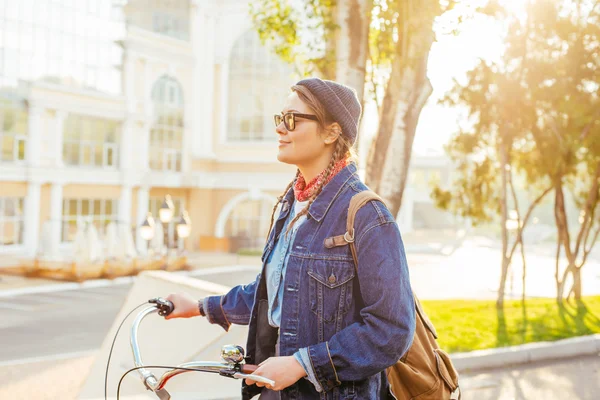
(534, 204)
(586, 252)
(590, 206)
(588, 128)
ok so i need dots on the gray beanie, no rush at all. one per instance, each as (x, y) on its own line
(340, 101)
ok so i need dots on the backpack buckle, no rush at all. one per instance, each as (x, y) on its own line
(349, 238)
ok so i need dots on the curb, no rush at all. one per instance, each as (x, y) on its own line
(526, 353)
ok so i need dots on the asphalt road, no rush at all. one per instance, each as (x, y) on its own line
(70, 321)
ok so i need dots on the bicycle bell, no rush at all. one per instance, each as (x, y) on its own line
(233, 354)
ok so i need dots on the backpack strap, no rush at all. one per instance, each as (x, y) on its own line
(357, 201)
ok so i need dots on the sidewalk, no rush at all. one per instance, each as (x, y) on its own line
(572, 379)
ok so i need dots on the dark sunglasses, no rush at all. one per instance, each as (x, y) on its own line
(289, 119)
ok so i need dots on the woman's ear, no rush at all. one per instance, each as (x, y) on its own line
(332, 133)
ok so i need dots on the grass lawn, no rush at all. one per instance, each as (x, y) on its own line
(465, 325)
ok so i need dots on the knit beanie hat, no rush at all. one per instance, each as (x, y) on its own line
(340, 101)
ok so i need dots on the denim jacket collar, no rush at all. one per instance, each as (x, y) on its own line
(319, 207)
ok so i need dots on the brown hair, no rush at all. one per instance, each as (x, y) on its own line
(343, 150)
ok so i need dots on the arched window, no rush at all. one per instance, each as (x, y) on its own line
(166, 134)
(259, 82)
(248, 223)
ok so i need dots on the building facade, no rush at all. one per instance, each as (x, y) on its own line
(107, 106)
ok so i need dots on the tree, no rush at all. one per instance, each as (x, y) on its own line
(536, 113)
(327, 37)
(384, 42)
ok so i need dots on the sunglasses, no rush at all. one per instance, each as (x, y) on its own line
(289, 119)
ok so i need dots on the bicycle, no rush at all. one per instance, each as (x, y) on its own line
(232, 356)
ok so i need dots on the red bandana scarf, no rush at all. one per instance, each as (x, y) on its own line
(304, 191)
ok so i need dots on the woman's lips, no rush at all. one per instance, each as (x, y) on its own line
(283, 143)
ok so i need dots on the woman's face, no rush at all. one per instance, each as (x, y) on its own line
(305, 144)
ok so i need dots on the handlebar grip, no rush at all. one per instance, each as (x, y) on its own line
(249, 368)
(166, 309)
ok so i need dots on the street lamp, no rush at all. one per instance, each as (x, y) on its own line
(184, 226)
(165, 214)
(147, 229)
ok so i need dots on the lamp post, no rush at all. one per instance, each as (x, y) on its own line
(165, 214)
(184, 227)
(147, 229)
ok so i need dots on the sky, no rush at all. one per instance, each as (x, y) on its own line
(451, 57)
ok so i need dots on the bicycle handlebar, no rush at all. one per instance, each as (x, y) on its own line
(233, 355)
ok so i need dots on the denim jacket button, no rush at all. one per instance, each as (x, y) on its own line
(332, 279)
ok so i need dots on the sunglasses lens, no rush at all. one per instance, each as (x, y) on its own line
(290, 121)
(278, 119)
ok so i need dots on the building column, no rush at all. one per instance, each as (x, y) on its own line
(143, 197)
(144, 147)
(32, 218)
(34, 136)
(125, 145)
(59, 125)
(203, 42)
(56, 209)
(125, 205)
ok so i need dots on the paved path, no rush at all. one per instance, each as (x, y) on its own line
(570, 379)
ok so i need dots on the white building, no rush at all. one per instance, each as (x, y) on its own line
(105, 107)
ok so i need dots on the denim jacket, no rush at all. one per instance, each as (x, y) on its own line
(352, 325)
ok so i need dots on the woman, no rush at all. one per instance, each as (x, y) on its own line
(316, 327)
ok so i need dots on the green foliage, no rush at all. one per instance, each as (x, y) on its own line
(303, 32)
(249, 252)
(540, 101)
(297, 35)
(466, 325)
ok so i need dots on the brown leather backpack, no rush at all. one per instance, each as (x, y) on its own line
(425, 372)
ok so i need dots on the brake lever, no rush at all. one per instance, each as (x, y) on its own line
(165, 307)
(233, 373)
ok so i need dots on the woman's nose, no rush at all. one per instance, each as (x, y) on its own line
(280, 129)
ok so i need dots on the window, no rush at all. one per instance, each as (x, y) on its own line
(248, 223)
(165, 17)
(61, 42)
(258, 84)
(90, 142)
(11, 221)
(13, 131)
(78, 212)
(166, 135)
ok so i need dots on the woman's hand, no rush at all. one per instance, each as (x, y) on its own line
(285, 371)
(184, 306)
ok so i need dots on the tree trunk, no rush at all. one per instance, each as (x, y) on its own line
(576, 273)
(406, 93)
(353, 18)
(504, 209)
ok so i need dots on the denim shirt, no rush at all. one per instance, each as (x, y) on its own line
(352, 323)
(276, 264)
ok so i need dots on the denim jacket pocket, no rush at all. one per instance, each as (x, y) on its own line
(330, 287)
